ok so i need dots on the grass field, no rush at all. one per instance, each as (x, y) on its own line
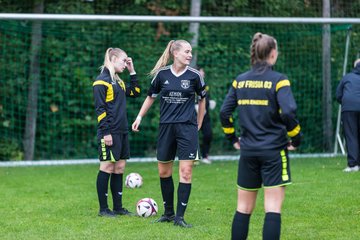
(60, 202)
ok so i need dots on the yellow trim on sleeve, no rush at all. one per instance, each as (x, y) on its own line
(295, 131)
(282, 83)
(234, 84)
(122, 85)
(229, 130)
(109, 91)
(101, 116)
(137, 89)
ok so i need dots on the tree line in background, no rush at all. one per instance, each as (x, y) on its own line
(47, 67)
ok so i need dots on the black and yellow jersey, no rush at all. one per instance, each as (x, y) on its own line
(110, 102)
(177, 94)
(266, 110)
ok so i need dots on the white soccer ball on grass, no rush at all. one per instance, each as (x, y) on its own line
(146, 207)
(133, 180)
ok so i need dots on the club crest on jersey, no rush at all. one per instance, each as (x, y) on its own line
(185, 84)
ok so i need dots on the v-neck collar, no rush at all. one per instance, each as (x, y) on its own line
(181, 73)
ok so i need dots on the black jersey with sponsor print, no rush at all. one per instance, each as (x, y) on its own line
(110, 103)
(177, 94)
(266, 109)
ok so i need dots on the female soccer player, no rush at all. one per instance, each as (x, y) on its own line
(267, 117)
(177, 85)
(110, 105)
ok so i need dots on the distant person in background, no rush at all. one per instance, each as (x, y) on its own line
(267, 117)
(177, 85)
(110, 94)
(206, 125)
(348, 95)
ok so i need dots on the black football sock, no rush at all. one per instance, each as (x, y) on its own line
(240, 226)
(102, 183)
(116, 186)
(167, 191)
(272, 226)
(184, 190)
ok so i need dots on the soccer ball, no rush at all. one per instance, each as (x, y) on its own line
(146, 207)
(133, 180)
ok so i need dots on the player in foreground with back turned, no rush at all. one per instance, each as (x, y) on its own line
(177, 85)
(267, 117)
(110, 95)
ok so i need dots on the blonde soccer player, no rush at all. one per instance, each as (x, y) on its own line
(177, 86)
(110, 94)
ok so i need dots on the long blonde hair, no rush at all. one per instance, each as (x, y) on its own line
(109, 54)
(173, 45)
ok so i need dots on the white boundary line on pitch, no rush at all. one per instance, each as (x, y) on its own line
(145, 159)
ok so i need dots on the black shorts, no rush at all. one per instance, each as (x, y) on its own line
(119, 150)
(177, 137)
(271, 170)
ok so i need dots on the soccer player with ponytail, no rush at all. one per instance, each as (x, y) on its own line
(269, 128)
(110, 94)
(177, 85)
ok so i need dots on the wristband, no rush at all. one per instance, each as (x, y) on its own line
(138, 118)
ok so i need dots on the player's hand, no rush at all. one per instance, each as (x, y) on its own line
(212, 104)
(108, 140)
(199, 126)
(290, 147)
(236, 145)
(296, 141)
(197, 108)
(135, 125)
(130, 65)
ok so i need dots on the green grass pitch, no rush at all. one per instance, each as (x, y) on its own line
(60, 202)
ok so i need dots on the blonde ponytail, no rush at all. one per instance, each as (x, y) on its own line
(163, 60)
(168, 53)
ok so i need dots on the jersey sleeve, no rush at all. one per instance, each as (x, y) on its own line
(103, 92)
(155, 86)
(133, 89)
(200, 87)
(288, 107)
(227, 108)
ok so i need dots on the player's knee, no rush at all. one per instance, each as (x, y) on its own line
(119, 167)
(164, 173)
(186, 174)
(107, 167)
